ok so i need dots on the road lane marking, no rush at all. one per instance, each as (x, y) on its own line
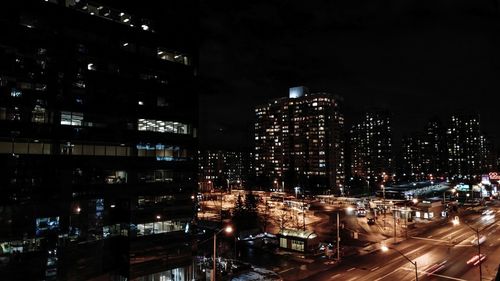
(351, 269)
(387, 274)
(336, 275)
(433, 274)
(429, 239)
(375, 268)
(286, 270)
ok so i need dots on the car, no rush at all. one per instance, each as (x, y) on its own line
(361, 212)
(474, 241)
(487, 213)
(435, 268)
(370, 221)
(476, 259)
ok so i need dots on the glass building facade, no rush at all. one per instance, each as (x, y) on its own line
(98, 139)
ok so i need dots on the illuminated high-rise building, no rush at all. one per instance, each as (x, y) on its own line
(414, 155)
(98, 118)
(424, 154)
(371, 145)
(299, 141)
(221, 169)
(435, 154)
(488, 155)
(464, 145)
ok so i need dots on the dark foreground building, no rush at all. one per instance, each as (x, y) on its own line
(98, 118)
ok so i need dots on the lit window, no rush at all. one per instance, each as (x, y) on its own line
(71, 118)
(173, 56)
(162, 126)
(15, 93)
(39, 114)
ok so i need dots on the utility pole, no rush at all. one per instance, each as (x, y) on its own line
(214, 266)
(406, 222)
(479, 252)
(303, 214)
(338, 237)
(394, 216)
(385, 210)
(220, 213)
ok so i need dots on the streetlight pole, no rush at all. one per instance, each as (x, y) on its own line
(383, 192)
(394, 217)
(476, 230)
(385, 249)
(227, 229)
(338, 237)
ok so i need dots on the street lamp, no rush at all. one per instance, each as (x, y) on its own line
(228, 229)
(385, 249)
(444, 194)
(476, 230)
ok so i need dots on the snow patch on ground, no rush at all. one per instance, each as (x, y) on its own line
(257, 274)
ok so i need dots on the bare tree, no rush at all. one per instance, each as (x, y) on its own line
(284, 218)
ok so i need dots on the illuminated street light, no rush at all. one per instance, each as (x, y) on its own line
(228, 229)
(477, 231)
(386, 249)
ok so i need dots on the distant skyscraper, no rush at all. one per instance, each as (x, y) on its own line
(435, 154)
(464, 144)
(415, 160)
(223, 169)
(371, 145)
(424, 153)
(488, 155)
(299, 141)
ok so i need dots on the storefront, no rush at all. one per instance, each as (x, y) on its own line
(298, 240)
(429, 210)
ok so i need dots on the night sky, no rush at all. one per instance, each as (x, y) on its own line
(418, 59)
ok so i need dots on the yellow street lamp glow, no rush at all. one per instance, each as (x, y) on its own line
(384, 248)
(228, 229)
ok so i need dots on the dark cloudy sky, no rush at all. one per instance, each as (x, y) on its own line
(417, 58)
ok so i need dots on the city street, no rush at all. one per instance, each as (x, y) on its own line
(440, 248)
(430, 248)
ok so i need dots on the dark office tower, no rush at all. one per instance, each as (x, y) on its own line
(220, 169)
(435, 154)
(488, 155)
(98, 118)
(415, 160)
(371, 145)
(424, 154)
(464, 145)
(299, 141)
